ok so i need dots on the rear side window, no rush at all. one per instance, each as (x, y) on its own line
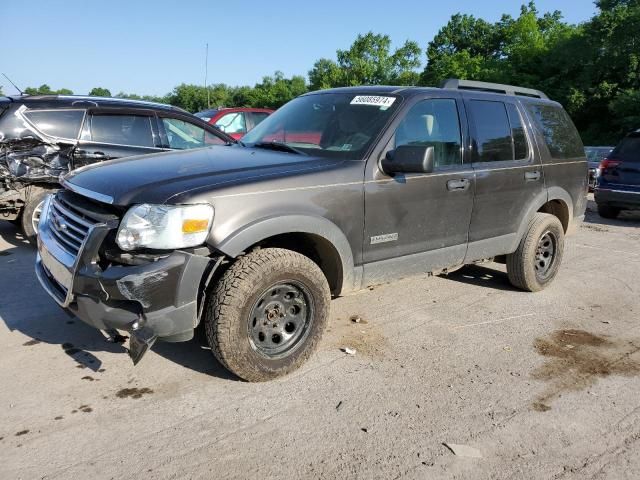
(493, 132)
(57, 123)
(133, 130)
(558, 131)
(629, 149)
(520, 147)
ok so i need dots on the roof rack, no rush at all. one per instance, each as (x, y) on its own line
(456, 84)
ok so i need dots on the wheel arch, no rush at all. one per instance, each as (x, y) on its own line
(315, 237)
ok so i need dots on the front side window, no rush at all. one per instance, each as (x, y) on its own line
(336, 125)
(133, 130)
(57, 123)
(433, 123)
(232, 123)
(184, 135)
(558, 131)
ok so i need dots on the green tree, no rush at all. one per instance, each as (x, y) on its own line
(99, 92)
(45, 89)
(369, 61)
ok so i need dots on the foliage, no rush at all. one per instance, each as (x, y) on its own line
(45, 89)
(369, 61)
(99, 92)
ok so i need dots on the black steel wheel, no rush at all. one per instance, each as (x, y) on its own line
(537, 259)
(266, 314)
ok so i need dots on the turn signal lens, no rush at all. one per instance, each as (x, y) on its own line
(194, 226)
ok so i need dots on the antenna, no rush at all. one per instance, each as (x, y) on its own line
(14, 85)
(206, 71)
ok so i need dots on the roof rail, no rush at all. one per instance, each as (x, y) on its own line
(456, 84)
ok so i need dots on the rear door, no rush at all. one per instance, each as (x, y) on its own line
(508, 174)
(110, 133)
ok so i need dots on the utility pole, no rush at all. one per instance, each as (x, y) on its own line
(206, 71)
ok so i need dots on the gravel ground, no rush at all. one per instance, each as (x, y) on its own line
(542, 385)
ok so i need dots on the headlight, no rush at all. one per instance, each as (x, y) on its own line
(164, 227)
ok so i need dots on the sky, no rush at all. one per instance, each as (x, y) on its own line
(150, 47)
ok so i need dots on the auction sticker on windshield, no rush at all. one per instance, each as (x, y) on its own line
(378, 101)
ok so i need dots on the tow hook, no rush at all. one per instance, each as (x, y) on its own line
(142, 339)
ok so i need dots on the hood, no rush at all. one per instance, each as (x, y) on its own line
(158, 177)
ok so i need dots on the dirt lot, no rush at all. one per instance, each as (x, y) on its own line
(543, 385)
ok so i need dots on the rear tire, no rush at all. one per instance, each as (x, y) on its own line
(606, 211)
(536, 261)
(31, 212)
(267, 313)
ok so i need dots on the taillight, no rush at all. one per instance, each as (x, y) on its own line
(608, 163)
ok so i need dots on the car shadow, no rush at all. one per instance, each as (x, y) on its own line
(195, 355)
(481, 276)
(12, 235)
(624, 219)
(26, 308)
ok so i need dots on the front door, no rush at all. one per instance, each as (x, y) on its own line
(419, 222)
(508, 176)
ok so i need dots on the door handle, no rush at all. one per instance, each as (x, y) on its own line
(532, 176)
(459, 184)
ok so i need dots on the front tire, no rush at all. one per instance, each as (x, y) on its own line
(30, 215)
(536, 261)
(267, 314)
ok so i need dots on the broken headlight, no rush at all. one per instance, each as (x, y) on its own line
(164, 227)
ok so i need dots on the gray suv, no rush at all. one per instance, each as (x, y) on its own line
(336, 191)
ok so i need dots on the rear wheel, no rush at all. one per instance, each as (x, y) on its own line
(267, 313)
(30, 216)
(536, 261)
(606, 211)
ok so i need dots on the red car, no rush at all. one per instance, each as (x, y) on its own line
(235, 122)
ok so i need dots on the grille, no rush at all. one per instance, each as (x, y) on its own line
(69, 225)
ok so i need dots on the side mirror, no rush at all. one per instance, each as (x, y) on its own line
(409, 159)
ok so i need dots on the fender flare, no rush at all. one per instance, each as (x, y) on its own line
(240, 240)
(549, 194)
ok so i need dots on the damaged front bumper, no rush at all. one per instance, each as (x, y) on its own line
(158, 299)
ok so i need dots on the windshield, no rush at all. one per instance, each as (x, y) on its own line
(337, 125)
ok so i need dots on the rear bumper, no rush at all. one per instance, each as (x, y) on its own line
(613, 197)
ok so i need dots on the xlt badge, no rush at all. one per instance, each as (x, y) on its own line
(387, 237)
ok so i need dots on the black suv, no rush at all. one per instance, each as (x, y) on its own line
(42, 137)
(618, 181)
(336, 191)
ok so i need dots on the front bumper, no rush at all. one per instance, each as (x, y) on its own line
(160, 296)
(617, 198)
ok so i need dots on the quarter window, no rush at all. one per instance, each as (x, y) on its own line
(558, 131)
(184, 135)
(520, 146)
(57, 123)
(232, 123)
(134, 130)
(433, 123)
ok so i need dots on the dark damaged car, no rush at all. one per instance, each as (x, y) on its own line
(44, 137)
(336, 191)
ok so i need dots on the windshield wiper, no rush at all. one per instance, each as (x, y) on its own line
(283, 147)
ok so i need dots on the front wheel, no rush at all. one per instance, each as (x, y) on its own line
(267, 313)
(30, 216)
(536, 261)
